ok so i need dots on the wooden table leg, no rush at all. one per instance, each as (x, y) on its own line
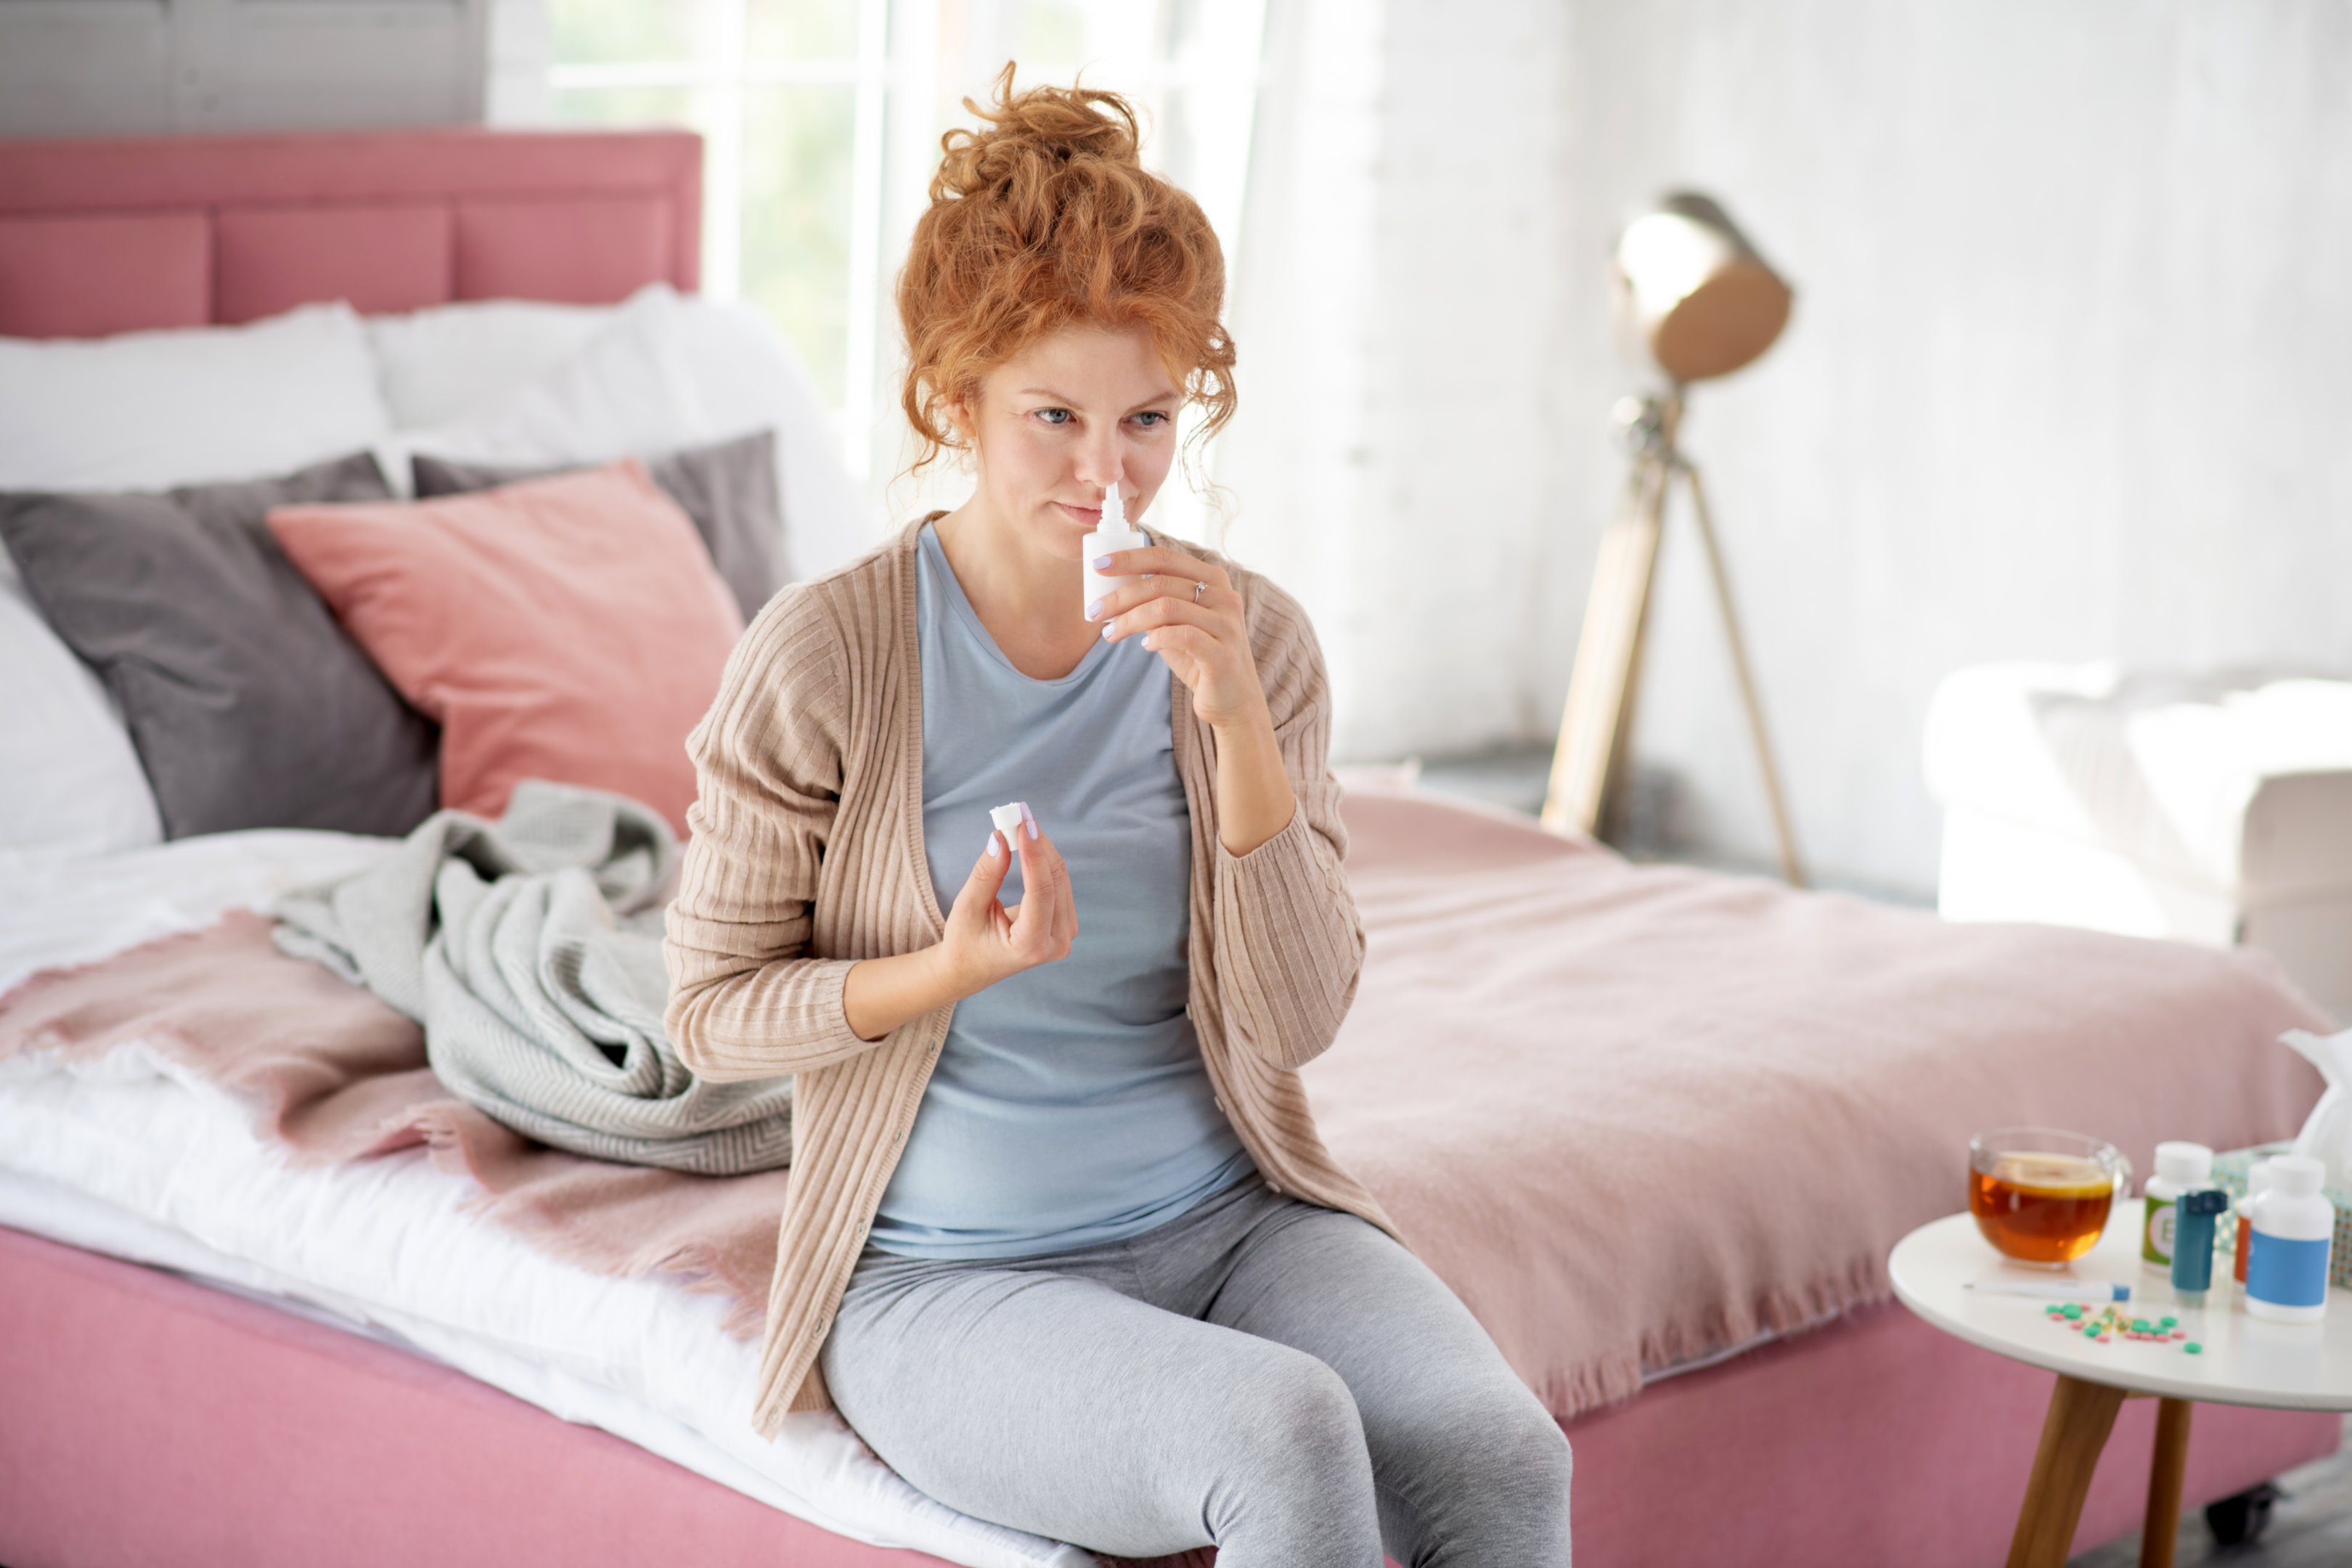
(2164, 1483)
(2072, 1435)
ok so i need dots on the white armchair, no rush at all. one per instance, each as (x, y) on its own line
(2214, 810)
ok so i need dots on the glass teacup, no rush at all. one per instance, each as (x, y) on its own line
(2040, 1196)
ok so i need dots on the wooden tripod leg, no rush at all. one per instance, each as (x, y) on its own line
(2072, 1435)
(2164, 1475)
(1791, 868)
(1597, 718)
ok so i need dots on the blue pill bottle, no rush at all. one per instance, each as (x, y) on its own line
(2293, 1228)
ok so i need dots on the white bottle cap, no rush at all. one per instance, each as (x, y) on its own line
(1007, 819)
(2184, 1164)
(2296, 1176)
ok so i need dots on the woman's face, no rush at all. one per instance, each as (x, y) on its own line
(1075, 413)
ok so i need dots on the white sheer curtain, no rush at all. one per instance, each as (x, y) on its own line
(1396, 455)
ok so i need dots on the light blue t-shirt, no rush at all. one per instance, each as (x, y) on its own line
(1069, 1106)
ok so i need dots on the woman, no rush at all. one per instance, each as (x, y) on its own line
(1061, 1242)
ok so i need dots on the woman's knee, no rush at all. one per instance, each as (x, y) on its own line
(1295, 1476)
(1481, 1450)
(1526, 1444)
(1547, 1460)
(1297, 1412)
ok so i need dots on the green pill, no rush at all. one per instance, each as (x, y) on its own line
(2071, 1308)
(2193, 1348)
(2169, 1322)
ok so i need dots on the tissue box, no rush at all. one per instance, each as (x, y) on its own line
(2230, 1173)
(2214, 810)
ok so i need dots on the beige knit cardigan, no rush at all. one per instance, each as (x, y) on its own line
(807, 856)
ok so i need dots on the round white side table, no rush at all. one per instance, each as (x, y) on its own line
(2242, 1360)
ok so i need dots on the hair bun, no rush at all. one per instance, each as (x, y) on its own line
(1043, 217)
(1029, 132)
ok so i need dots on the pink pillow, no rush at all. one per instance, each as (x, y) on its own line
(570, 629)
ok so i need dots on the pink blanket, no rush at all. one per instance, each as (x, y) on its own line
(1633, 1116)
(1638, 1115)
(333, 1074)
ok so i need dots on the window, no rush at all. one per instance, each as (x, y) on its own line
(822, 120)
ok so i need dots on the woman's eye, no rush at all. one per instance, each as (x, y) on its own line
(1151, 419)
(1054, 415)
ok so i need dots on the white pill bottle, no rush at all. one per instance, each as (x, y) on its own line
(1112, 532)
(2292, 1227)
(2179, 1168)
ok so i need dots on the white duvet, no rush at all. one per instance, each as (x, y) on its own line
(129, 1155)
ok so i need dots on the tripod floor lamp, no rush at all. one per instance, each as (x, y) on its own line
(1694, 301)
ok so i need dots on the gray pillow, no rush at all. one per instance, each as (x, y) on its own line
(249, 705)
(729, 489)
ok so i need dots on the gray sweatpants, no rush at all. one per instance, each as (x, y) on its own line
(1276, 1379)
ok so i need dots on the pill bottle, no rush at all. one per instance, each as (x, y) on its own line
(2258, 1182)
(2179, 1168)
(2287, 1264)
(1111, 532)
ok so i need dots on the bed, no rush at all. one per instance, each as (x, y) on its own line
(1694, 1111)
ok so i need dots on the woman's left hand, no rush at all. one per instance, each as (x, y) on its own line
(1187, 611)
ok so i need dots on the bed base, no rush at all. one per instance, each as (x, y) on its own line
(150, 1419)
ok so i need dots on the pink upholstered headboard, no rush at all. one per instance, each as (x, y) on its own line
(118, 236)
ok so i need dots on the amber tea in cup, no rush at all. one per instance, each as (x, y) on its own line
(2040, 1196)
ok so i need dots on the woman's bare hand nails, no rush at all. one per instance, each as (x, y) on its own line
(1187, 611)
(985, 942)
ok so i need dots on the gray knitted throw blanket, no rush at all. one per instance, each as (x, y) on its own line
(530, 948)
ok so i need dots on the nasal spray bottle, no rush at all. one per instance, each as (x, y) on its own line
(1112, 532)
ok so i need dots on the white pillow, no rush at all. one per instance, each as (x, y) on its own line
(670, 372)
(454, 362)
(143, 411)
(751, 378)
(148, 410)
(71, 784)
(628, 389)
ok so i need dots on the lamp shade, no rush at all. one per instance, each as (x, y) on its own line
(1693, 297)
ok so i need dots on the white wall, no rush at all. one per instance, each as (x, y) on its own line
(2068, 376)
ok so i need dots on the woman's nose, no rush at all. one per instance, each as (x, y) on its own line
(1098, 464)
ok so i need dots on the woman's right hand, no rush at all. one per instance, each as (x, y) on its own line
(985, 942)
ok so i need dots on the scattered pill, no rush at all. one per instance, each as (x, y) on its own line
(2193, 1348)
(2180, 1333)
(2072, 1309)
(2167, 1322)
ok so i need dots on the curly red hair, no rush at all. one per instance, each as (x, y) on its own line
(1046, 218)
